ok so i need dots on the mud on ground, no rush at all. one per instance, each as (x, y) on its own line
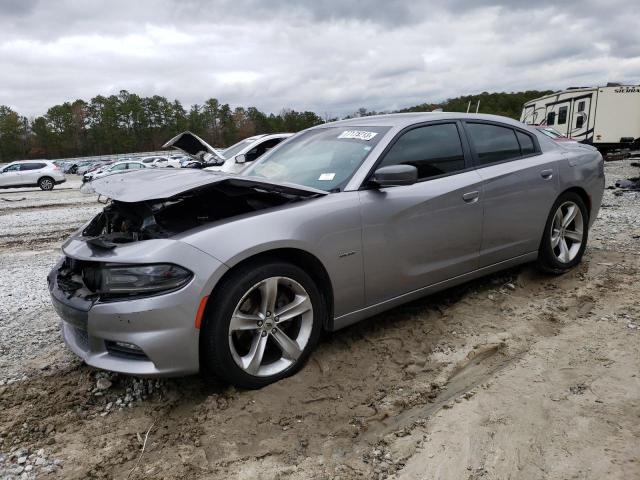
(516, 375)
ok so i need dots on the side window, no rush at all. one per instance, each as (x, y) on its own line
(551, 118)
(31, 166)
(121, 166)
(493, 143)
(562, 115)
(12, 168)
(133, 166)
(262, 148)
(526, 143)
(433, 150)
(581, 106)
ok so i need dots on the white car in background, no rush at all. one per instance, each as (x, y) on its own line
(118, 167)
(159, 161)
(229, 160)
(31, 173)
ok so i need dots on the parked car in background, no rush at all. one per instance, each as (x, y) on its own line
(72, 167)
(31, 173)
(160, 161)
(238, 274)
(82, 169)
(230, 160)
(118, 167)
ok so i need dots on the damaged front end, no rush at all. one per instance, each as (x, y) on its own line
(132, 216)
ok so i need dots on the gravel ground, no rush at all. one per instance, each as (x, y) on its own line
(516, 375)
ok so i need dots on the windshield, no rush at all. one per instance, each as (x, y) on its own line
(234, 149)
(322, 158)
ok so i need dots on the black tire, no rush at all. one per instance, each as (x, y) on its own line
(46, 183)
(548, 260)
(216, 357)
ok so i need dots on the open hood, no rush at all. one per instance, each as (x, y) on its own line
(193, 145)
(163, 183)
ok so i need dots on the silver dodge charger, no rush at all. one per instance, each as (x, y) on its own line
(189, 271)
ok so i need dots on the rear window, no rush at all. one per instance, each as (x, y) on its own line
(493, 143)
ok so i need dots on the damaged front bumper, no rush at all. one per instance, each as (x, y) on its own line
(149, 336)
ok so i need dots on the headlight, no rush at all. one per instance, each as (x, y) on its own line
(137, 280)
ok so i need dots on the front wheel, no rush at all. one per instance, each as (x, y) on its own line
(565, 234)
(261, 325)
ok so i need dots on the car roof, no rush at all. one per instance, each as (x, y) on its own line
(402, 120)
(34, 160)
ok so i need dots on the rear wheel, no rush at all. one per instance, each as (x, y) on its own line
(262, 325)
(46, 183)
(565, 235)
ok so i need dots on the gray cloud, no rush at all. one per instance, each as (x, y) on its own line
(329, 56)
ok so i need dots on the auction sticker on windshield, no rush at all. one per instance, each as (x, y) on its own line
(357, 134)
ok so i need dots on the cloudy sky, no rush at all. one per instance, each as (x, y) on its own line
(327, 56)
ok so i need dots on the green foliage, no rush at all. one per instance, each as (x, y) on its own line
(126, 123)
(502, 103)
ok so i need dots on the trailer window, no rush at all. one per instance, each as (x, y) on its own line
(581, 106)
(562, 116)
(551, 118)
(579, 121)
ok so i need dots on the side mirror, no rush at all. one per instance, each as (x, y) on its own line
(241, 158)
(395, 175)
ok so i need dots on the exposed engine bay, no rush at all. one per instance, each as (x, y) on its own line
(124, 222)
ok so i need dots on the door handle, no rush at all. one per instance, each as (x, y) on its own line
(471, 197)
(546, 174)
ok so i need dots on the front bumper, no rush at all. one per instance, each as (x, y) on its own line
(162, 326)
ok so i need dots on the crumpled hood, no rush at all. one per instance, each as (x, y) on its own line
(160, 183)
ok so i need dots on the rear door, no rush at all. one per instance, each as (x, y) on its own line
(421, 234)
(519, 184)
(30, 172)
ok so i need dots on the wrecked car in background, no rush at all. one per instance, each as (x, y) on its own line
(237, 275)
(113, 168)
(229, 160)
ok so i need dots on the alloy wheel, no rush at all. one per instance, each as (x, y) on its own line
(46, 184)
(270, 326)
(567, 232)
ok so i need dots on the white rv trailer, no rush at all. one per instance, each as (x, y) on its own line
(606, 117)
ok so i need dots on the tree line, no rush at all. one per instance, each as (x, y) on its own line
(127, 123)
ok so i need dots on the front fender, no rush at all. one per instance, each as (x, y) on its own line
(329, 228)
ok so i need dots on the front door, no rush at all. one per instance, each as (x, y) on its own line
(558, 117)
(421, 234)
(11, 176)
(579, 128)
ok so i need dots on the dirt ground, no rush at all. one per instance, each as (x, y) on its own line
(518, 375)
